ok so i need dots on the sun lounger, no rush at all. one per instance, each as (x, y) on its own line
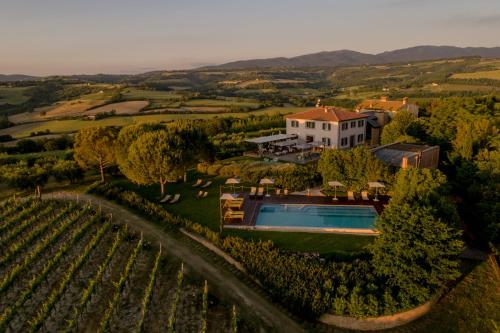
(278, 191)
(364, 195)
(260, 193)
(176, 198)
(198, 183)
(350, 196)
(199, 194)
(237, 203)
(231, 215)
(207, 184)
(253, 192)
(205, 194)
(166, 198)
(285, 192)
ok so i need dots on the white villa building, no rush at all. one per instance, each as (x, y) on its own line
(328, 127)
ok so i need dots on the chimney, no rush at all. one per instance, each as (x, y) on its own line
(383, 98)
(318, 103)
(326, 110)
(405, 100)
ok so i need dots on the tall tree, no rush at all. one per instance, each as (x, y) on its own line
(354, 167)
(399, 129)
(95, 148)
(154, 158)
(419, 240)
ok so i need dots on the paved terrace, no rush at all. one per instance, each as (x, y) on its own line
(251, 206)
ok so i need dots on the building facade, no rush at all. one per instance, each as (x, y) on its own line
(380, 112)
(328, 127)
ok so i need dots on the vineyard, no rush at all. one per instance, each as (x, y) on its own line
(66, 268)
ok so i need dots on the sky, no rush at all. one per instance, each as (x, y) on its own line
(125, 36)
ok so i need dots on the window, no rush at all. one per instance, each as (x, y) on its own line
(353, 124)
(309, 138)
(327, 127)
(361, 123)
(360, 138)
(310, 124)
(345, 126)
(295, 123)
(326, 141)
(343, 142)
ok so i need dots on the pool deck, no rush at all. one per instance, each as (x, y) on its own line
(252, 206)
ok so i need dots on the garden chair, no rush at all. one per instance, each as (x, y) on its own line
(364, 195)
(166, 198)
(198, 183)
(176, 198)
(350, 196)
(207, 184)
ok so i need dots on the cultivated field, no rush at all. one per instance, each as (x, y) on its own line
(73, 125)
(493, 75)
(12, 95)
(130, 107)
(65, 268)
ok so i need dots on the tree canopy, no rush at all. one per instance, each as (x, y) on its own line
(419, 241)
(95, 148)
(354, 167)
(400, 128)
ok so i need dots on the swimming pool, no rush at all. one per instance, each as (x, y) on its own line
(293, 217)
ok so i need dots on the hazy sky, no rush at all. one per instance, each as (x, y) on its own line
(125, 36)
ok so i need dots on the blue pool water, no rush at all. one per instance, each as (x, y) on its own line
(316, 216)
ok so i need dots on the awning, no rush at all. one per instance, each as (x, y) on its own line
(286, 143)
(272, 138)
(333, 183)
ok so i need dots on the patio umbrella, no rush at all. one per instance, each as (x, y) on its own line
(232, 181)
(334, 184)
(376, 186)
(266, 181)
(227, 196)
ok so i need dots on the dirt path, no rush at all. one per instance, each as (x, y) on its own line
(218, 277)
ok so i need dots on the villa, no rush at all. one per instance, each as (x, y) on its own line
(380, 112)
(329, 127)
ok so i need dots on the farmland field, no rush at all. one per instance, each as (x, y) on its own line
(73, 125)
(67, 268)
(12, 95)
(130, 107)
(133, 93)
(493, 75)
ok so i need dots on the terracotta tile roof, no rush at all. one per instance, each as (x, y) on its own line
(383, 104)
(327, 114)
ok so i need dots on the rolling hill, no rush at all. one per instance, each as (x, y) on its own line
(353, 58)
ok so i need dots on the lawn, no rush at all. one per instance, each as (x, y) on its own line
(73, 125)
(206, 212)
(13, 95)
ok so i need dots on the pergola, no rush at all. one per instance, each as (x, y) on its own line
(274, 140)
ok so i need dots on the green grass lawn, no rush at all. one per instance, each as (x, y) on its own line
(206, 212)
(13, 95)
(73, 125)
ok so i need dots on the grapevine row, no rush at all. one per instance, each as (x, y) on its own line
(33, 255)
(204, 309)
(148, 292)
(173, 310)
(16, 231)
(9, 313)
(92, 283)
(65, 280)
(25, 211)
(105, 321)
(28, 239)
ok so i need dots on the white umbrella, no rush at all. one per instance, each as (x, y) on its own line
(334, 184)
(233, 181)
(376, 186)
(227, 196)
(266, 181)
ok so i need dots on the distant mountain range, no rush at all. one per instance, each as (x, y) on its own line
(16, 77)
(353, 58)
